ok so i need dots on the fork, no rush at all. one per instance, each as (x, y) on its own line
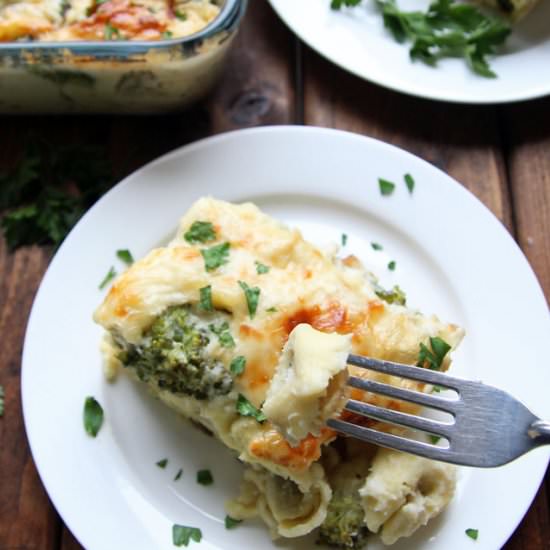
(490, 427)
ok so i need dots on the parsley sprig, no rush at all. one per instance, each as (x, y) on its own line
(433, 358)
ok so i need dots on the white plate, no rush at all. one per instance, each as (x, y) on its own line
(453, 257)
(355, 39)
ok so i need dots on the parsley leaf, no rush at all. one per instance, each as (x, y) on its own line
(435, 439)
(223, 334)
(386, 187)
(246, 408)
(252, 295)
(93, 416)
(167, 34)
(206, 298)
(409, 182)
(376, 246)
(434, 358)
(392, 265)
(108, 278)
(110, 32)
(271, 309)
(125, 256)
(200, 232)
(1, 401)
(472, 533)
(182, 16)
(162, 463)
(393, 296)
(447, 29)
(182, 535)
(238, 365)
(231, 523)
(178, 475)
(261, 268)
(337, 4)
(344, 239)
(215, 256)
(204, 477)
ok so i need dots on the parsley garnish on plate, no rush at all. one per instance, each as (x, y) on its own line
(337, 4)
(110, 32)
(180, 15)
(386, 187)
(434, 358)
(252, 295)
(231, 523)
(182, 535)
(125, 256)
(376, 246)
(344, 239)
(392, 265)
(111, 274)
(472, 533)
(223, 334)
(178, 475)
(215, 256)
(200, 232)
(261, 269)
(162, 463)
(435, 439)
(206, 298)
(93, 416)
(246, 408)
(238, 365)
(409, 182)
(167, 34)
(204, 477)
(271, 309)
(1, 401)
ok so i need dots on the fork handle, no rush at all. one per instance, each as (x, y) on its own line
(540, 432)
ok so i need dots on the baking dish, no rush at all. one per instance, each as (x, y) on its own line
(116, 77)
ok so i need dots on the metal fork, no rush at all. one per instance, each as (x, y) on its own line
(490, 427)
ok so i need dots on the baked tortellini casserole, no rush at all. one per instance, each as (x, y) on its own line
(67, 20)
(241, 325)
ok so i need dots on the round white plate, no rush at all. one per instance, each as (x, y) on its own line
(355, 39)
(453, 257)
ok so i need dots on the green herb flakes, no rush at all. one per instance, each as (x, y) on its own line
(337, 4)
(435, 439)
(182, 16)
(392, 265)
(231, 523)
(433, 359)
(261, 269)
(252, 295)
(125, 256)
(386, 187)
(178, 475)
(204, 477)
(215, 256)
(93, 416)
(376, 246)
(238, 365)
(472, 533)
(409, 182)
(182, 535)
(246, 408)
(223, 334)
(200, 232)
(167, 35)
(271, 309)
(111, 33)
(108, 278)
(162, 463)
(344, 239)
(1, 401)
(205, 302)
(393, 296)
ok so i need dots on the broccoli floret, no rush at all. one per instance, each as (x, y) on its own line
(344, 526)
(172, 354)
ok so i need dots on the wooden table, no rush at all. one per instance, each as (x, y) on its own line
(502, 154)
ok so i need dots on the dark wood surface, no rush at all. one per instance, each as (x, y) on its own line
(500, 153)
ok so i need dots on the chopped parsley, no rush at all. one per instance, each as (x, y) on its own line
(472, 533)
(344, 239)
(337, 4)
(409, 182)
(435, 439)
(238, 365)
(108, 278)
(204, 477)
(1, 401)
(167, 34)
(386, 187)
(436, 389)
(178, 475)
(246, 408)
(200, 232)
(252, 295)
(271, 309)
(392, 265)
(231, 523)
(182, 535)
(434, 358)
(125, 256)
(393, 296)
(162, 463)
(180, 15)
(215, 256)
(93, 416)
(223, 334)
(206, 298)
(111, 33)
(261, 268)
(376, 246)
